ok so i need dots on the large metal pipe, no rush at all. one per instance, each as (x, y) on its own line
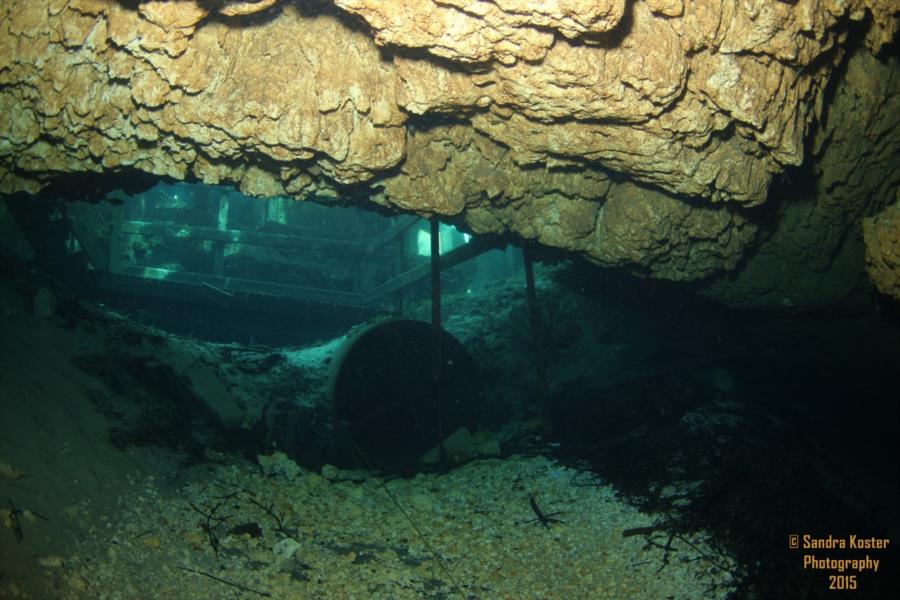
(373, 390)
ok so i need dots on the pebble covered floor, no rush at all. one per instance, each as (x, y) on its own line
(322, 538)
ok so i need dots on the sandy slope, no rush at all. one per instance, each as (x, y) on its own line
(51, 431)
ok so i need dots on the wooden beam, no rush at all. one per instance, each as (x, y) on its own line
(116, 240)
(397, 228)
(458, 255)
(219, 247)
(235, 236)
(87, 225)
(234, 284)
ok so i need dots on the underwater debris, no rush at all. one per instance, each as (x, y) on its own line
(233, 584)
(212, 520)
(279, 522)
(544, 519)
(665, 527)
(252, 359)
(12, 518)
(354, 542)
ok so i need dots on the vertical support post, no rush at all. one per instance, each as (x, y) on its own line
(260, 213)
(437, 358)
(400, 267)
(142, 207)
(116, 243)
(436, 297)
(537, 331)
(219, 247)
(275, 211)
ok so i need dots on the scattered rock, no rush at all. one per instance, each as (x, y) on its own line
(330, 472)
(196, 538)
(286, 548)
(52, 561)
(278, 464)
(78, 583)
(7, 470)
(462, 445)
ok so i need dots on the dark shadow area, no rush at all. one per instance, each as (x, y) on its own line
(764, 426)
(738, 427)
(746, 477)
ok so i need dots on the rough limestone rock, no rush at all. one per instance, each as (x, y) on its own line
(472, 32)
(882, 235)
(653, 234)
(563, 122)
(462, 172)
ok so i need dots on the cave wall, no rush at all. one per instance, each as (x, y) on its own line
(637, 134)
(882, 239)
(813, 256)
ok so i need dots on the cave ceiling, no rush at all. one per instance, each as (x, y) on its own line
(644, 135)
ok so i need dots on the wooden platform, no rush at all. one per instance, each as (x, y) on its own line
(106, 240)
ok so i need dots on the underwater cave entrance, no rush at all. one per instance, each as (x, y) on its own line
(197, 255)
(208, 262)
